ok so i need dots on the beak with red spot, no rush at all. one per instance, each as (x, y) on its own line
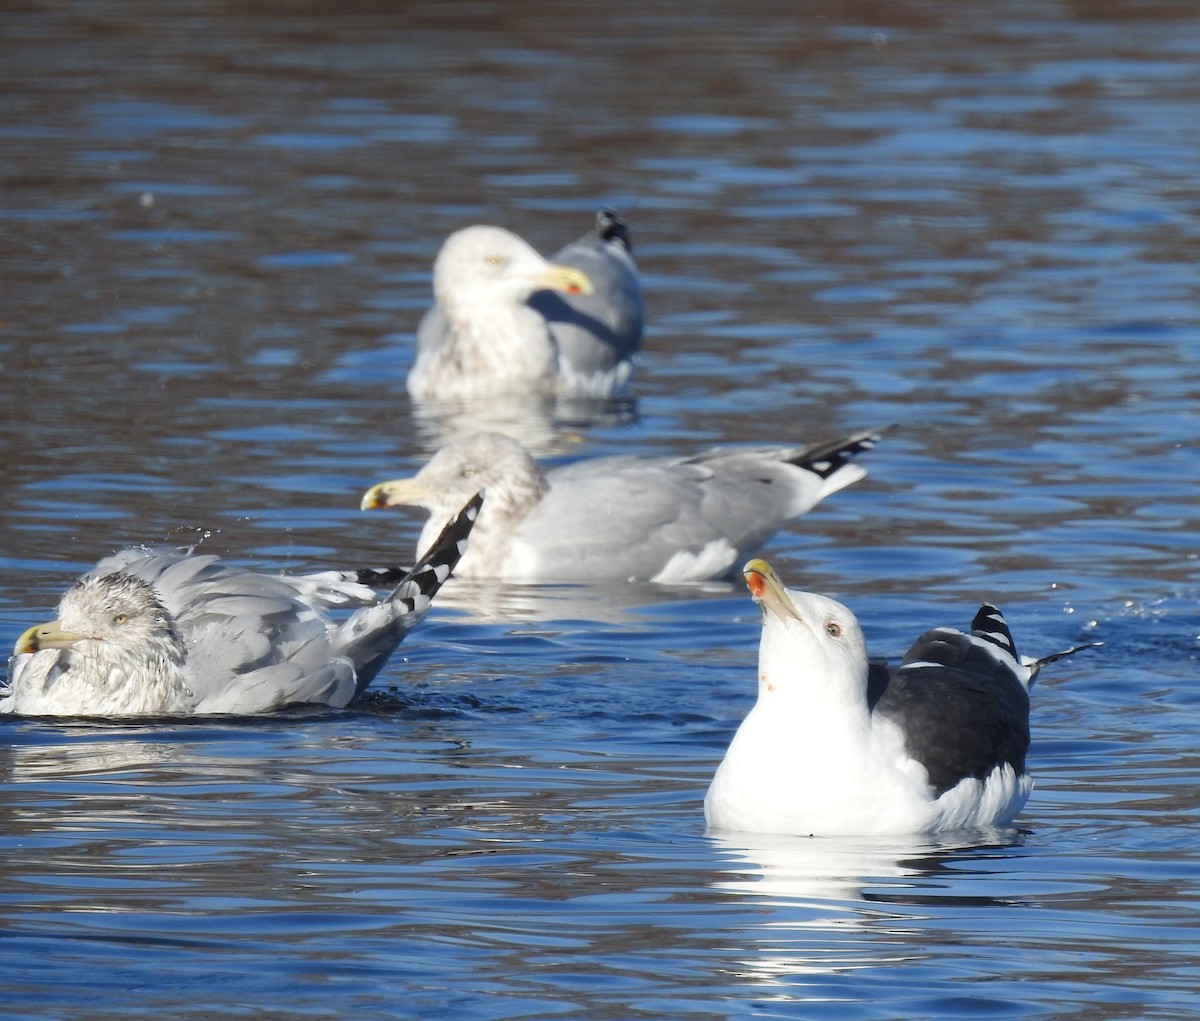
(768, 590)
(567, 279)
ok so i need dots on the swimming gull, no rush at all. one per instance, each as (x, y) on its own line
(506, 320)
(176, 633)
(625, 517)
(942, 748)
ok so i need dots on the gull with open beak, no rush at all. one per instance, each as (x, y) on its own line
(937, 744)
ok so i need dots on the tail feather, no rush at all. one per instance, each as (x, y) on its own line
(370, 636)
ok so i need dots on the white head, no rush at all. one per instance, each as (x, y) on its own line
(801, 759)
(812, 648)
(488, 461)
(483, 266)
(113, 648)
(512, 483)
(120, 613)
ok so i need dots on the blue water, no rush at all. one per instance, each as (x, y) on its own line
(978, 221)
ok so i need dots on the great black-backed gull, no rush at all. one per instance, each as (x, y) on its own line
(507, 320)
(940, 747)
(626, 517)
(178, 633)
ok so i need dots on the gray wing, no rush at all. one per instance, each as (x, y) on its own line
(751, 491)
(756, 488)
(596, 332)
(254, 643)
(628, 517)
(371, 634)
(608, 520)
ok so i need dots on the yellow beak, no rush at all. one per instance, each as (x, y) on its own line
(396, 493)
(564, 278)
(768, 590)
(45, 636)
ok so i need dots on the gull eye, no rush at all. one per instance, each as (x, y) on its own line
(493, 260)
(468, 473)
(833, 629)
(120, 618)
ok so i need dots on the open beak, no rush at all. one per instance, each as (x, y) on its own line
(564, 278)
(768, 590)
(46, 636)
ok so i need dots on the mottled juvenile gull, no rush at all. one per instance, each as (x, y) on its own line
(170, 632)
(506, 320)
(626, 517)
(941, 748)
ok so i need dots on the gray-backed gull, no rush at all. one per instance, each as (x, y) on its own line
(507, 320)
(170, 632)
(627, 517)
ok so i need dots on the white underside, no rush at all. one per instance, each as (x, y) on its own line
(802, 786)
(39, 688)
(715, 560)
(868, 811)
(520, 560)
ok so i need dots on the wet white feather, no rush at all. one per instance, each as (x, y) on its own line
(811, 758)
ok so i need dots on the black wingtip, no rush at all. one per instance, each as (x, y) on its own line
(990, 625)
(382, 577)
(438, 563)
(611, 228)
(826, 458)
(988, 618)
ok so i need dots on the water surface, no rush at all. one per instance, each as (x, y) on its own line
(979, 223)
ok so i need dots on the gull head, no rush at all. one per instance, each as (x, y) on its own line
(482, 265)
(488, 461)
(109, 617)
(810, 643)
(113, 651)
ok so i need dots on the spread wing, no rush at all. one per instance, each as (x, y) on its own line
(257, 642)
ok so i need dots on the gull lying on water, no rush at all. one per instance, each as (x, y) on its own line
(941, 747)
(664, 519)
(507, 320)
(169, 632)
